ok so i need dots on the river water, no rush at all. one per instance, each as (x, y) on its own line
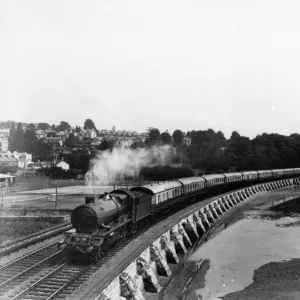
(235, 253)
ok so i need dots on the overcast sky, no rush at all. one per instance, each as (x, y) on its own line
(226, 65)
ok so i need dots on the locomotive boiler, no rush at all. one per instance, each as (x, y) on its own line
(99, 213)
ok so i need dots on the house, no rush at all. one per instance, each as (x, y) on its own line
(122, 135)
(89, 133)
(40, 134)
(4, 132)
(53, 140)
(23, 159)
(96, 141)
(8, 164)
(64, 165)
(62, 135)
(36, 166)
(3, 144)
(187, 140)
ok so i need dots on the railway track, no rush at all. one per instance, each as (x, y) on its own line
(38, 275)
(51, 284)
(18, 273)
(65, 278)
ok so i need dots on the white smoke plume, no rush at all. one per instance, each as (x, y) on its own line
(122, 162)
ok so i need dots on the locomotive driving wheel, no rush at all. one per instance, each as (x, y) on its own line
(122, 233)
(96, 255)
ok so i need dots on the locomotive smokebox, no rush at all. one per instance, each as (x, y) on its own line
(89, 199)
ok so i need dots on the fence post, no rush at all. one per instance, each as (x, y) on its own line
(56, 196)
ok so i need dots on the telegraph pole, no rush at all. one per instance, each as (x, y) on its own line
(56, 194)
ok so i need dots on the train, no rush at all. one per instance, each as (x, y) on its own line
(110, 217)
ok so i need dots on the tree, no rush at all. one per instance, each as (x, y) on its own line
(63, 126)
(153, 136)
(12, 137)
(177, 137)
(44, 126)
(106, 145)
(235, 135)
(20, 138)
(72, 140)
(31, 127)
(89, 124)
(29, 139)
(77, 129)
(166, 138)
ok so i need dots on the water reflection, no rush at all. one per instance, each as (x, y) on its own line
(236, 252)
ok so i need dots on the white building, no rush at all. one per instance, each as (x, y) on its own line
(89, 133)
(3, 144)
(41, 134)
(65, 166)
(23, 159)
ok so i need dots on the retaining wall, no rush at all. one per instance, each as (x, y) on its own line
(144, 273)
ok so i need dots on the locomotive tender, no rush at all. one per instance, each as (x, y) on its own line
(102, 221)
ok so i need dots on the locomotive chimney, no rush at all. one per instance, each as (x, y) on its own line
(89, 199)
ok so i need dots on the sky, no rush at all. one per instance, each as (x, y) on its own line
(189, 65)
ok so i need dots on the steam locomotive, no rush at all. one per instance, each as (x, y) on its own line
(108, 218)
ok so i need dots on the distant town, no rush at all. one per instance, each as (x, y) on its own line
(36, 146)
(65, 151)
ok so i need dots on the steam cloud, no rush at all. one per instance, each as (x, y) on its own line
(123, 162)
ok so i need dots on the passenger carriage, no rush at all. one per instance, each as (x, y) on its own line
(296, 171)
(214, 180)
(277, 173)
(289, 172)
(163, 194)
(192, 186)
(232, 178)
(264, 175)
(250, 175)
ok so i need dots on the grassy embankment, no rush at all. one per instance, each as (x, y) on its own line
(12, 229)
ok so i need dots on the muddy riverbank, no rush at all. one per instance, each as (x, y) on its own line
(256, 257)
